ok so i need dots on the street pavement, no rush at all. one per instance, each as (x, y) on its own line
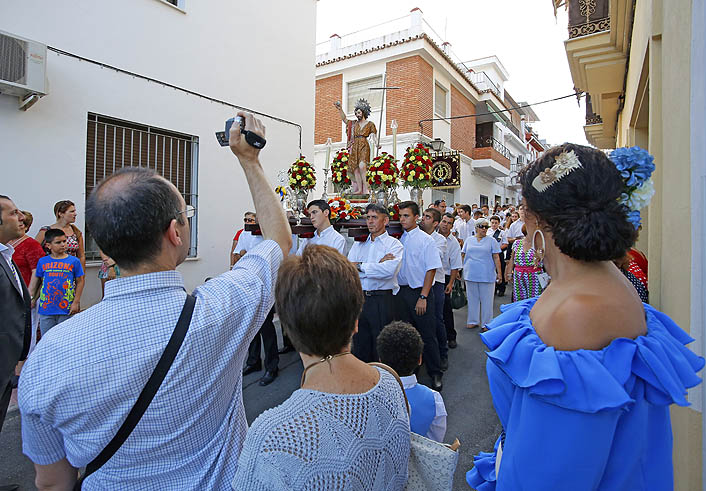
(471, 417)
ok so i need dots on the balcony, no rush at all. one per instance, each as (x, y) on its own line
(484, 84)
(599, 33)
(491, 158)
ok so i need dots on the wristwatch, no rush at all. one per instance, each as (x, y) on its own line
(357, 265)
(423, 297)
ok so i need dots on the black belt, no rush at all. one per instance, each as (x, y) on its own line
(359, 136)
(375, 293)
(407, 286)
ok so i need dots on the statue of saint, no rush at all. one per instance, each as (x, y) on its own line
(358, 131)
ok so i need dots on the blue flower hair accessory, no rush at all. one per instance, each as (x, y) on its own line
(636, 166)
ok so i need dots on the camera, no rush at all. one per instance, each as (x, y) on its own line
(253, 139)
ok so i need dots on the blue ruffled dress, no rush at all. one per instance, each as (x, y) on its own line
(584, 420)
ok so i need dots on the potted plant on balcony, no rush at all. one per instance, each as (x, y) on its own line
(382, 176)
(302, 179)
(416, 171)
(339, 172)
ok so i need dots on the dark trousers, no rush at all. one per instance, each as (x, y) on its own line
(425, 324)
(439, 296)
(269, 340)
(5, 401)
(449, 315)
(377, 313)
(500, 287)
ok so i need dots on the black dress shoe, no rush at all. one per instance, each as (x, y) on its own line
(285, 349)
(436, 382)
(268, 378)
(444, 365)
(10, 487)
(453, 344)
(255, 367)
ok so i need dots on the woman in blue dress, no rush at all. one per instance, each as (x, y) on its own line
(582, 377)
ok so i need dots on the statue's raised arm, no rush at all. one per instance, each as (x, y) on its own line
(337, 105)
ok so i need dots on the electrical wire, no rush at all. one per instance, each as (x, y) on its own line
(176, 87)
(521, 106)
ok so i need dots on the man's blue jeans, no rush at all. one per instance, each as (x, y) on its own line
(46, 322)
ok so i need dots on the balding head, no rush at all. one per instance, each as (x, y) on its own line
(129, 212)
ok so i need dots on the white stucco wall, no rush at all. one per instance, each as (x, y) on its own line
(204, 49)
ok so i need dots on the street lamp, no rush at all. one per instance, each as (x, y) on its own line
(393, 125)
(437, 145)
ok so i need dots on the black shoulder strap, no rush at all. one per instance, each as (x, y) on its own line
(148, 393)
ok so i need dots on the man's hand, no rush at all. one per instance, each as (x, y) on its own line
(246, 153)
(18, 367)
(387, 257)
(449, 288)
(34, 303)
(75, 307)
(421, 307)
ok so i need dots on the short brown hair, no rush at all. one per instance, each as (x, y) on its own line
(319, 298)
(28, 220)
(62, 206)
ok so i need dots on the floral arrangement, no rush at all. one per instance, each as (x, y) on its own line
(394, 211)
(382, 172)
(636, 166)
(302, 176)
(339, 170)
(416, 168)
(341, 209)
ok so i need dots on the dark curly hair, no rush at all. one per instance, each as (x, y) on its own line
(399, 345)
(581, 210)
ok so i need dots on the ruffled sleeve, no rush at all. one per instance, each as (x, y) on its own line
(568, 406)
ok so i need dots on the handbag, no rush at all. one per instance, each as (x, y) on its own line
(431, 464)
(458, 295)
(148, 392)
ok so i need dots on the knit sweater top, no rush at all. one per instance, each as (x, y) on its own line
(322, 441)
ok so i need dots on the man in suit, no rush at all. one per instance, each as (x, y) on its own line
(14, 306)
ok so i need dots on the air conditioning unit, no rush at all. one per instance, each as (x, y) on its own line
(23, 67)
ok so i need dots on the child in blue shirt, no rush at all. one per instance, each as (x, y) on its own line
(61, 279)
(400, 346)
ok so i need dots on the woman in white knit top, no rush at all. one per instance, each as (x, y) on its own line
(347, 427)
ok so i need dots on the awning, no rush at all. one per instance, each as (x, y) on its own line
(484, 107)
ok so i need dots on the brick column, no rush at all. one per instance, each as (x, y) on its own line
(414, 100)
(327, 120)
(463, 131)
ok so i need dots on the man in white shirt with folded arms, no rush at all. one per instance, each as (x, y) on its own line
(378, 260)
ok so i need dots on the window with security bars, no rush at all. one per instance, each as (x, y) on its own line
(112, 144)
(360, 89)
(440, 100)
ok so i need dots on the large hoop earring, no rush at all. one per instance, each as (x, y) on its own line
(539, 252)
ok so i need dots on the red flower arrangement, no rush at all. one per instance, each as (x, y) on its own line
(339, 170)
(416, 168)
(382, 172)
(341, 209)
(302, 176)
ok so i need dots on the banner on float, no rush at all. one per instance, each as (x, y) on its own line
(446, 170)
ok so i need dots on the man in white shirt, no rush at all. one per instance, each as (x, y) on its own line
(430, 222)
(267, 336)
(465, 226)
(499, 235)
(515, 230)
(485, 210)
(378, 260)
(416, 277)
(451, 264)
(325, 234)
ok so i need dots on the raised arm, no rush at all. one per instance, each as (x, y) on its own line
(273, 221)
(337, 105)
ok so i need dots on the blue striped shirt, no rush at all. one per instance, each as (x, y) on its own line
(80, 383)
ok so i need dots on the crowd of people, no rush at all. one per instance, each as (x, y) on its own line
(144, 389)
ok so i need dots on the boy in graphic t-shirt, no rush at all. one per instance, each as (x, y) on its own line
(61, 279)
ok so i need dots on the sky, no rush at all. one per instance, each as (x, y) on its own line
(523, 34)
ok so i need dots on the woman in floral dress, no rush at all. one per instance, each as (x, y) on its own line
(523, 270)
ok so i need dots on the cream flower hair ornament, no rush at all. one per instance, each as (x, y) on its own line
(564, 164)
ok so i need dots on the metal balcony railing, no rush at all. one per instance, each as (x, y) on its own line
(490, 142)
(483, 83)
(588, 17)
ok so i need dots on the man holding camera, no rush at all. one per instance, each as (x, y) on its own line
(85, 376)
